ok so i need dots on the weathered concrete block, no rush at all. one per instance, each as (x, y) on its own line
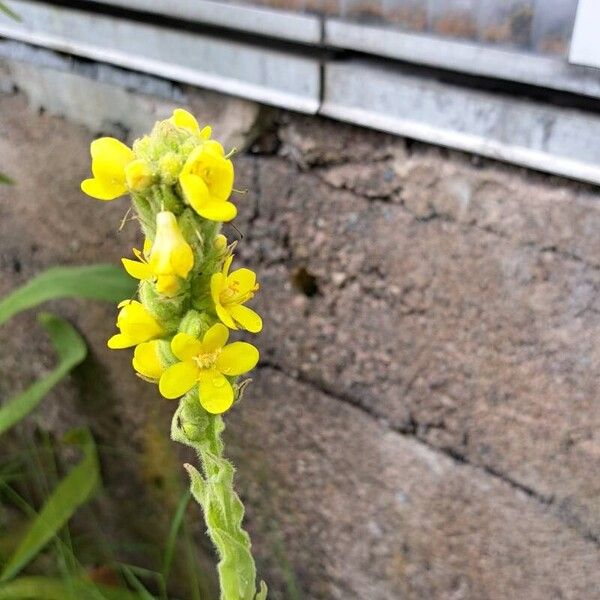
(425, 423)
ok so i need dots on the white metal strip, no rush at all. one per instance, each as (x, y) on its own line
(267, 76)
(475, 59)
(550, 139)
(585, 43)
(263, 21)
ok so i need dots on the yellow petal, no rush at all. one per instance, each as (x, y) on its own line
(147, 247)
(213, 149)
(108, 147)
(119, 341)
(138, 270)
(216, 393)
(102, 190)
(227, 265)
(182, 118)
(206, 132)
(215, 338)
(109, 159)
(225, 315)
(222, 182)
(182, 260)
(246, 317)
(146, 360)
(217, 210)
(243, 279)
(186, 346)
(136, 323)
(167, 285)
(237, 358)
(178, 379)
(217, 283)
(195, 191)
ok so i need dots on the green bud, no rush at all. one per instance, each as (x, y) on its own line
(196, 323)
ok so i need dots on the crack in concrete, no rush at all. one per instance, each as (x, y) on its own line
(439, 216)
(412, 429)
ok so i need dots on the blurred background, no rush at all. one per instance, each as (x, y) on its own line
(422, 211)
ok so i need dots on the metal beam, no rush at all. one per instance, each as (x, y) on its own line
(465, 57)
(269, 76)
(548, 138)
(262, 21)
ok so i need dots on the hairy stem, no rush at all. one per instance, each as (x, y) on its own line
(213, 490)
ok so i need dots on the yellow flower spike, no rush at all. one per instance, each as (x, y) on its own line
(207, 362)
(182, 118)
(110, 158)
(229, 292)
(171, 256)
(138, 175)
(146, 360)
(136, 326)
(207, 181)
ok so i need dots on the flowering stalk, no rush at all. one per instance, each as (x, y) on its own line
(188, 301)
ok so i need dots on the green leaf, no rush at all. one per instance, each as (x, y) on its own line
(136, 584)
(96, 282)
(5, 179)
(71, 350)
(73, 491)
(9, 12)
(47, 588)
(173, 531)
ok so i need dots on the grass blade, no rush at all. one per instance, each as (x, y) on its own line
(9, 12)
(71, 350)
(5, 179)
(136, 584)
(47, 588)
(95, 282)
(74, 490)
(173, 531)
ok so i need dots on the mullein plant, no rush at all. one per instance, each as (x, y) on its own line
(189, 302)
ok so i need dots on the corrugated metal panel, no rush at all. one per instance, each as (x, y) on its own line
(268, 76)
(551, 139)
(532, 69)
(262, 21)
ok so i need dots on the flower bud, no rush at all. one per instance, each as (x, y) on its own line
(138, 176)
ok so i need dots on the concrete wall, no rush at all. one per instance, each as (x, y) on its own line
(425, 420)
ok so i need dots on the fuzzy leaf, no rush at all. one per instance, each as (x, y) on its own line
(73, 491)
(95, 282)
(71, 350)
(262, 593)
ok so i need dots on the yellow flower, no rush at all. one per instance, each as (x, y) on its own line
(229, 292)
(208, 362)
(136, 324)
(182, 118)
(207, 181)
(110, 158)
(170, 256)
(146, 360)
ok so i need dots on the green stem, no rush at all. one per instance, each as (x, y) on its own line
(213, 490)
